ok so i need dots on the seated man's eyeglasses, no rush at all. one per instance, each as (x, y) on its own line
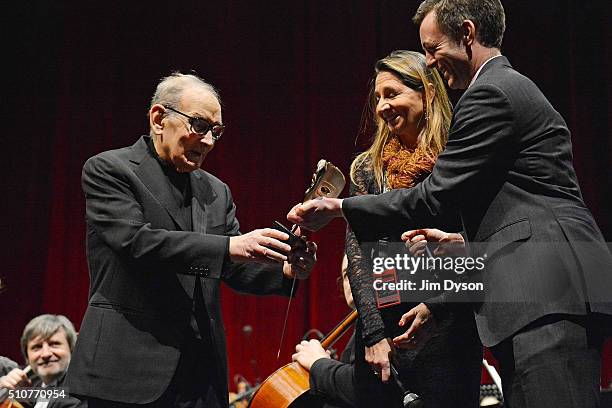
(202, 126)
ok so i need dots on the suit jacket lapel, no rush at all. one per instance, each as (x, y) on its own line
(202, 196)
(152, 176)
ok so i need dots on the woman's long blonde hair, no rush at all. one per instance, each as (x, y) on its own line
(410, 68)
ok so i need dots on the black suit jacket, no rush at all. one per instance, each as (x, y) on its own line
(333, 380)
(143, 265)
(507, 169)
(67, 402)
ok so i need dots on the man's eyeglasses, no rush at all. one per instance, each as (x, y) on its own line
(202, 126)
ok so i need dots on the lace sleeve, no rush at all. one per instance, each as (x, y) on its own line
(359, 268)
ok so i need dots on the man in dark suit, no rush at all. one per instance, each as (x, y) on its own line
(161, 236)
(507, 169)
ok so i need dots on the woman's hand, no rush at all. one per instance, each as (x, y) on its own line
(378, 356)
(449, 243)
(421, 327)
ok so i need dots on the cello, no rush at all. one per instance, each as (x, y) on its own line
(288, 386)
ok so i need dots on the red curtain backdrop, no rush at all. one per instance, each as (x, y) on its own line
(293, 78)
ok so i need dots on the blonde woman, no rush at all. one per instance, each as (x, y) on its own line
(411, 115)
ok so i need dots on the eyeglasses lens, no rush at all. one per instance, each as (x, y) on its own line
(217, 131)
(200, 126)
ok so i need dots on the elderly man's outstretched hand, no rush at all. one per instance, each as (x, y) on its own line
(315, 214)
(301, 260)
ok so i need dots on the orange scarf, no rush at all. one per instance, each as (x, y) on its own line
(405, 167)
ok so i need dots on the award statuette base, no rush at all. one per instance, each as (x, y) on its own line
(294, 241)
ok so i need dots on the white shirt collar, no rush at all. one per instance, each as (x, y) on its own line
(480, 69)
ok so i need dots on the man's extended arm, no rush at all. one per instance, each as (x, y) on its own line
(116, 215)
(479, 152)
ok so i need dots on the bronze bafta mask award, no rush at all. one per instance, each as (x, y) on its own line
(327, 181)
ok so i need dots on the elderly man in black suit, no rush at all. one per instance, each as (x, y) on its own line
(507, 169)
(161, 236)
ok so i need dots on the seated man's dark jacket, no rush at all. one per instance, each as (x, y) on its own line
(333, 380)
(68, 401)
(63, 401)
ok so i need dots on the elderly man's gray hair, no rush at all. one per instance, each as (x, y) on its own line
(170, 88)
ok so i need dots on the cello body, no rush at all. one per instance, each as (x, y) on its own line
(287, 387)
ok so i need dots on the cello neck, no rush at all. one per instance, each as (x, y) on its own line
(339, 330)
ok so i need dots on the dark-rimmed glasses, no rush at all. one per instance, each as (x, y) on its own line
(201, 126)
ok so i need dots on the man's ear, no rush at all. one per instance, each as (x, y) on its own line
(469, 32)
(156, 117)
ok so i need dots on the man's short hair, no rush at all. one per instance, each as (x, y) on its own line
(46, 326)
(171, 88)
(488, 17)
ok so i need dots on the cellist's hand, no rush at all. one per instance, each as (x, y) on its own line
(15, 378)
(307, 352)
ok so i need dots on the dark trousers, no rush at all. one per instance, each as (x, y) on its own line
(191, 385)
(554, 362)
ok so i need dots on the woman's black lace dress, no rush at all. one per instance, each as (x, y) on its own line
(445, 372)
